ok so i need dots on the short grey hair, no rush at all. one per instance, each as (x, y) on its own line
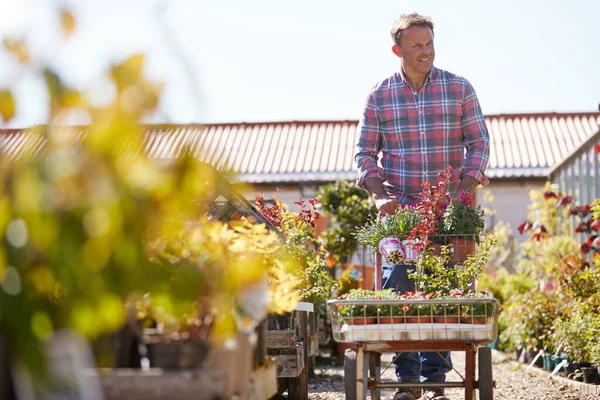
(406, 21)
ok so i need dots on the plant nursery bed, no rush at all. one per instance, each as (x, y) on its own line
(581, 386)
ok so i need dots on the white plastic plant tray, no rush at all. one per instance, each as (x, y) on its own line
(412, 332)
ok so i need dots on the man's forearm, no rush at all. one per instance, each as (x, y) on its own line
(375, 187)
(384, 203)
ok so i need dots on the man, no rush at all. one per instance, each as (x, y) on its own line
(421, 119)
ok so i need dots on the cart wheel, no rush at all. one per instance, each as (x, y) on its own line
(486, 382)
(350, 374)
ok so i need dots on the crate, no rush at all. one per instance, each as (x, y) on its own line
(469, 320)
(461, 247)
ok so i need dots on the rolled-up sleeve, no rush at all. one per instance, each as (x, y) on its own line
(475, 136)
(369, 145)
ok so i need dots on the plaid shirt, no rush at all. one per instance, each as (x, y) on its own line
(420, 133)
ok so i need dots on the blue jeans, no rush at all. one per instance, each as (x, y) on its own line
(423, 366)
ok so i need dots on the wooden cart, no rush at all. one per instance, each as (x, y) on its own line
(441, 325)
(362, 366)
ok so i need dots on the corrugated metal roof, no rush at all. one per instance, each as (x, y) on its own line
(522, 146)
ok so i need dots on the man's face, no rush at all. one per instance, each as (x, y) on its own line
(416, 50)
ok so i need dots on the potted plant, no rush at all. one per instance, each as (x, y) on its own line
(478, 313)
(437, 278)
(462, 226)
(416, 313)
(357, 314)
(387, 233)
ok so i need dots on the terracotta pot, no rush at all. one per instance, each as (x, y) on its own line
(362, 320)
(461, 249)
(391, 320)
(437, 249)
(473, 320)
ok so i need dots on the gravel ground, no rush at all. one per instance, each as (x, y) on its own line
(511, 382)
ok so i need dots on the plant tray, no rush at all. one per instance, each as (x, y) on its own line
(475, 333)
(462, 319)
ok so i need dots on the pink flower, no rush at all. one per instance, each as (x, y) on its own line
(466, 198)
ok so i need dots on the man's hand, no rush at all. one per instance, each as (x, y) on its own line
(386, 205)
(466, 184)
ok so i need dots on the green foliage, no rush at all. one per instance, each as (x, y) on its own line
(503, 284)
(502, 254)
(435, 274)
(462, 219)
(544, 211)
(528, 318)
(398, 225)
(595, 208)
(578, 333)
(91, 227)
(348, 207)
(302, 246)
(357, 310)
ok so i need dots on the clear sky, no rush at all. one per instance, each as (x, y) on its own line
(272, 60)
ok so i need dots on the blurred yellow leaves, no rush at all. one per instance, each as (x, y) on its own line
(67, 21)
(41, 325)
(137, 96)
(7, 105)
(18, 49)
(61, 96)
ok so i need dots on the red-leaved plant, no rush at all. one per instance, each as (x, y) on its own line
(589, 225)
(433, 202)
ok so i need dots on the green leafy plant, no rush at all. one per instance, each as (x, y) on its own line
(462, 218)
(301, 245)
(397, 225)
(435, 273)
(348, 206)
(577, 333)
(357, 310)
(529, 318)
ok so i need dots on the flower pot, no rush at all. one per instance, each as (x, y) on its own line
(590, 375)
(391, 249)
(570, 368)
(548, 362)
(446, 319)
(411, 250)
(530, 355)
(480, 320)
(437, 249)
(362, 320)
(461, 249)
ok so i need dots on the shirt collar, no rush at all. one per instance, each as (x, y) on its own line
(430, 78)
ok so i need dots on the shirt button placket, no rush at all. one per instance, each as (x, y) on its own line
(420, 117)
